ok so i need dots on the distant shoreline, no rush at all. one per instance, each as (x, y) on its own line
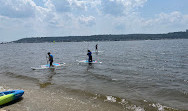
(109, 37)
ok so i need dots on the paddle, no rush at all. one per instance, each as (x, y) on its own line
(87, 50)
(47, 59)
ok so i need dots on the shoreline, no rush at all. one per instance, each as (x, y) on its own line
(53, 99)
(36, 98)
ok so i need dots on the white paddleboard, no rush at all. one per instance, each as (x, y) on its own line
(97, 51)
(86, 61)
(47, 66)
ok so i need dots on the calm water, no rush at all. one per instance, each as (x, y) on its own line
(143, 73)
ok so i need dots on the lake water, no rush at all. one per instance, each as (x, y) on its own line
(134, 75)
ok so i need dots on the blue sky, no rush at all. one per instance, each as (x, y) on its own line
(36, 18)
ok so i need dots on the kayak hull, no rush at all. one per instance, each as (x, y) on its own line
(8, 96)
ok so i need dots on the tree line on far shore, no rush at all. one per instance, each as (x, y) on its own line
(109, 37)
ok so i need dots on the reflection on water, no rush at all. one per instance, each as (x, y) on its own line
(90, 66)
(48, 78)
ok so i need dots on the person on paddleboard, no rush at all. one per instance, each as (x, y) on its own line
(96, 47)
(90, 56)
(50, 59)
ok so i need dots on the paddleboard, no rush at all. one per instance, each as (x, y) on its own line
(47, 66)
(8, 96)
(86, 61)
(97, 51)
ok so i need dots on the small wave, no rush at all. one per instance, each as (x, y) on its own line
(144, 106)
(135, 108)
(126, 104)
(2, 89)
(186, 81)
(110, 98)
(103, 77)
(14, 75)
(161, 107)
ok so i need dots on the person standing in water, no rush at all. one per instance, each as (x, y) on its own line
(96, 47)
(90, 56)
(50, 59)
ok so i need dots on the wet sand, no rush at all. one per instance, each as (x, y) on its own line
(43, 99)
(40, 100)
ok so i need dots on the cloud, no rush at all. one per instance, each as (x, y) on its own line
(61, 5)
(17, 8)
(76, 7)
(162, 23)
(120, 7)
(23, 9)
(112, 7)
(173, 19)
(134, 23)
(88, 21)
(84, 5)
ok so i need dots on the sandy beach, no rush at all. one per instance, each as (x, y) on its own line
(49, 101)
(43, 99)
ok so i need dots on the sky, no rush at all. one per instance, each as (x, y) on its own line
(44, 18)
